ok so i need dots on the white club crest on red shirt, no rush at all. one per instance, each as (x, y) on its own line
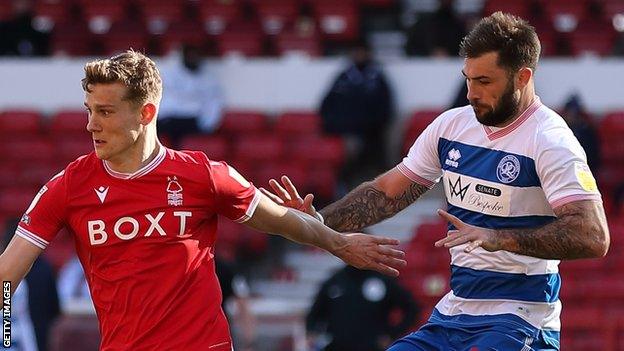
(174, 192)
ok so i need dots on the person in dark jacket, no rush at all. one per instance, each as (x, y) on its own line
(358, 311)
(359, 106)
(584, 130)
(36, 302)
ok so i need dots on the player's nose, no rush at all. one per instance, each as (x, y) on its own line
(92, 126)
(472, 94)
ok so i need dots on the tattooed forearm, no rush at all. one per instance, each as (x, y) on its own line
(580, 231)
(367, 205)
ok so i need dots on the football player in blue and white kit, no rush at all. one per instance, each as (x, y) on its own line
(520, 199)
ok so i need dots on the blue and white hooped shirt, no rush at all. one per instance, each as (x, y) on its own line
(511, 177)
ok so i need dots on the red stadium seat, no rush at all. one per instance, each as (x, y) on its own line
(416, 125)
(297, 174)
(257, 149)
(611, 8)
(37, 174)
(70, 122)
(611, 130)
(9, 175)
(229, 234)
(298, 124)
(180, 33)
(218, 14)
(102, 14)
(428, 233)
(215, 147)
(242, 123)
(28, 149)
(159, 14)
(556, 9)
(69, 149)
(19, 122)
(316, 151)
(592, 37)
(15, 200)
(588, 328)
(6, 10)
(293, 42)
(338, 20)
(515, 7)
(243, 42)
(323, 181)
(275, 15)
(49, 13)
(123, 36)
(72, 38)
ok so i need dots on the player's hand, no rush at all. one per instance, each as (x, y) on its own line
(286, 195)
(466, 233)
(372, 252)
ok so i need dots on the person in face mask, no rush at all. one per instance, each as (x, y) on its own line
(193, 103)
(359, 107)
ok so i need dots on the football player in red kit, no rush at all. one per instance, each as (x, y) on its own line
(144, 220)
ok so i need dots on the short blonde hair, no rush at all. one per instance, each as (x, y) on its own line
(133, 69)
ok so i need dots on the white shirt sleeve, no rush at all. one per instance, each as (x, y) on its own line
(422, 163)
(562, 168)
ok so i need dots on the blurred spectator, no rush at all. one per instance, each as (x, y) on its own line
(436, 34)
(72, 285)
(34, 304)
(359, 106)
(358, 310)
(192, 102)
(234, 287)
(18, 37)
(618, 46)
(584, 130)
(461, 97)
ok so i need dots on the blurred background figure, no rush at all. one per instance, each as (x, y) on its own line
(18, 36)
(34, 305)
(436, 34)
(193, 103)
(359, 107)
(72, 285)
(584, 129)
(235, 290)
(359, 311)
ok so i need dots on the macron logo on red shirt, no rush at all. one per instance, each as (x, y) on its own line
(101, 193)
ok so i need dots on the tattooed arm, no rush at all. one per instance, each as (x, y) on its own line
(580, 231)
(372, 202)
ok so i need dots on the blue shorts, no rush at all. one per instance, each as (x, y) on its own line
(470, 333)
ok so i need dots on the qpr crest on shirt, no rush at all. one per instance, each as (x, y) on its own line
(508, 169)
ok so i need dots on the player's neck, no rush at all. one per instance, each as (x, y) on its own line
(527, 96)
(139, 155)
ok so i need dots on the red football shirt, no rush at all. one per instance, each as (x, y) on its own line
(146, 242)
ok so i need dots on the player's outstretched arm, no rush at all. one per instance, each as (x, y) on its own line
(580, 231)
(369, 203)
(359, 250)
(16, 260)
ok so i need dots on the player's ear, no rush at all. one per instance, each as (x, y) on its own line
(148, 113)
(523, 77)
